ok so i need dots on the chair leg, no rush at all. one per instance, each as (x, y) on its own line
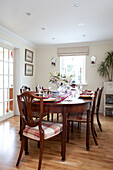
(71, 126)
(61, 144)
(26, 146)
(92, 129)
(95, 132)
(48, 117)
(41, 152)
(20, 131)
(98, 121)
(38, 144)
(57, 117)
(68, 127)
(21, 151)
(52, 117)
(78, 125)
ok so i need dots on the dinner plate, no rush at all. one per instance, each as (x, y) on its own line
(46, 100)
(86, 96)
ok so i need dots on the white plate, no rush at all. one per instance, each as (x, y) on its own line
(46, 100)
(86, 95)
(38, 93)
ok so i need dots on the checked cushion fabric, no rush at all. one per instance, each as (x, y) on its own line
(51, 129)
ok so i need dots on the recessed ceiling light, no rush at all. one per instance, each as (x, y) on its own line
(53, 38)
(28, 13)
(84, 35)
(43, 28)
(76, 5)
(81, 24)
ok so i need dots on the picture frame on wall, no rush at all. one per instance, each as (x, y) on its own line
(28, 56)
(28, 70)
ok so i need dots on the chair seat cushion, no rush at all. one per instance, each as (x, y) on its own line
(51, 129)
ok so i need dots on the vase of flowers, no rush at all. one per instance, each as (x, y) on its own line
(59, 80)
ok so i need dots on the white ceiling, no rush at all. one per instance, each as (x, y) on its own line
(60, 18)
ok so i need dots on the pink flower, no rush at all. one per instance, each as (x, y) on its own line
(55, 74)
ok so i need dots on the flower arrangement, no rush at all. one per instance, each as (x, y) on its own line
(59, 80)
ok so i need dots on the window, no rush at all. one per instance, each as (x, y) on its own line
(73, 65)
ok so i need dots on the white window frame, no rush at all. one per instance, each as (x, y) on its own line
(83, 82)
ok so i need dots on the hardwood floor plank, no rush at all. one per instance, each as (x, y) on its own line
(77, 158)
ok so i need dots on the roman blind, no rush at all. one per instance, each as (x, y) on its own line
(73, 51)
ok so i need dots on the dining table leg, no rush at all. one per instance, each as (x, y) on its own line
(87, 130)
(64, 135)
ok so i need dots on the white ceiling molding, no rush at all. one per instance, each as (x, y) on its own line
(95, 43)
(5, 43)
(18, 38)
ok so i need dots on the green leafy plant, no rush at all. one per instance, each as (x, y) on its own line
(106, 67)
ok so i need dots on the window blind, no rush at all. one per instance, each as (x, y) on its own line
(73, 51)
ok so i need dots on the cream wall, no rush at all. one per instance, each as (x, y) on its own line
(42, 62)
(10, 40)
(93, 79)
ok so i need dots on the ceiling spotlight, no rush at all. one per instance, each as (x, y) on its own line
(28, 13)
(84, 35)
(76, 5)
(53, 38)
(81, 24)
(43, 28)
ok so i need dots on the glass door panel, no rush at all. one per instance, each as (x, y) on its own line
(1, 67)
(1, 81)
(5, 68)
(11, 106)
(11, 99)
(1, 53)
(10, 68)
(6, 107)
(5, 54)
(10, 81)
(6, 83)
(6, 95)
(1, 95)
(10, 56)
(1, 109)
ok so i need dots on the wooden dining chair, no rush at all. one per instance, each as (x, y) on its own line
(82, 118)
(52, 114)
(24, 88)
(100, 90)
(37, 130)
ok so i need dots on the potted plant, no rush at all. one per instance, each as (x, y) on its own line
(106, 67)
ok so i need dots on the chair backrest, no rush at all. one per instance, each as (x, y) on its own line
(99, 99)
(94, 101)
(24, 88)
(25, 101)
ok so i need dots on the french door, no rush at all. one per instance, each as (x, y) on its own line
(6, 83)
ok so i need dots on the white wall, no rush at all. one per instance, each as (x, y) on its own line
(93, 79)
(10, 40)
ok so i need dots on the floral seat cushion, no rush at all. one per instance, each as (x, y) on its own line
(51, 129)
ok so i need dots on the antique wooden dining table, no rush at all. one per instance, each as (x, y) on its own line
(71, 105)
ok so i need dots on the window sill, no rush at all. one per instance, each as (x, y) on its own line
(83, 84)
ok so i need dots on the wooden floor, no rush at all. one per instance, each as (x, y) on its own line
(77, 158)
